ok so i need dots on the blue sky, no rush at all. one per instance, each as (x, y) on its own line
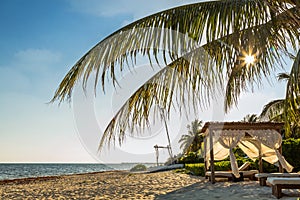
(40, 41)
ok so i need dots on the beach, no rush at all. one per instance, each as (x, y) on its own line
(126, 185)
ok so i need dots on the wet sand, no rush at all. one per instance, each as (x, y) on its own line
(125, 185)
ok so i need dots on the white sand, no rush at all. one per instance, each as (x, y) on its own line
(124, 185)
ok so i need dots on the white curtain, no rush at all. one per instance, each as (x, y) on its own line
(229, 140)
(273, 140)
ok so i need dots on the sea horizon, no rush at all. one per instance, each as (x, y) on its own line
(9, 171)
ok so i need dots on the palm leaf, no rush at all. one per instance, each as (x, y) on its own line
(273, 111)
(283, 77)
(233, 25)
(183, 82)
(205, 21)
(292, 100)
(203, 78)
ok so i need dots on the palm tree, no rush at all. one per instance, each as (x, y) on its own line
(274, 110)
(191, 141)
(287, 110)
(251, 118)
(244, 41)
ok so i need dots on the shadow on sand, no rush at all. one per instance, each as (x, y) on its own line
(226, 190)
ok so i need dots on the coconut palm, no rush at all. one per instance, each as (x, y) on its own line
(251, 118)
(274, 110)
(287, 110)
(203, 48)
(191, 141)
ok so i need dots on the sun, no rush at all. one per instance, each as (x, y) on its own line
(249, 59)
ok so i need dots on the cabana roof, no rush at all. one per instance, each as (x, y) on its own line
(242, 126)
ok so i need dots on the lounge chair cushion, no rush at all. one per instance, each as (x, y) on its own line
(283, 180)
(265, 175)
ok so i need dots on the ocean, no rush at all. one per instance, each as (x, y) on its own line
(26, 170)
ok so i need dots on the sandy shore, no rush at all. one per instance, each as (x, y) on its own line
(125, 185)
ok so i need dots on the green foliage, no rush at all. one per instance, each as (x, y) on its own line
(192, 140)
(222, 166)
(191, 157)
(197, 169)
(251, 118)
(291, 152)
(138, 168)
(227, 28)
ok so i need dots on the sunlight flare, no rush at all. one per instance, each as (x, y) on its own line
(249, 59)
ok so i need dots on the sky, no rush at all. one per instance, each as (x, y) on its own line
(40, 41)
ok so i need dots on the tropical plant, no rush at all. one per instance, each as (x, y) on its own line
(274, 110)
(251, 118)
(287, 110)
(191, 141)
(138, 167)
(211, 46)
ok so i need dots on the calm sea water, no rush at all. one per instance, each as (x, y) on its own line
(14, 171)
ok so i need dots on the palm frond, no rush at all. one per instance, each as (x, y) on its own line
(283, 77)
(227, 28)
(273, 110)
(206, 21)
(267, 43)
(292, 99)
(207, 72)
(251, 118)
(202, 78)
(182, 83)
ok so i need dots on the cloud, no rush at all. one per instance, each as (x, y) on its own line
(136, 8)
(32, 59)
(31, 70)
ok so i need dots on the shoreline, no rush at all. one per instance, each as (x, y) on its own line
(11, 171)
(41, 178)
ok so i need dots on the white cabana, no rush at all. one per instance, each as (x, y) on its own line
(258, 140)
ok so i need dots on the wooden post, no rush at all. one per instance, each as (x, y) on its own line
(156, 153)
(260, 165)
(280, 166)
(205, 146)
(260, 160)
(212, 165)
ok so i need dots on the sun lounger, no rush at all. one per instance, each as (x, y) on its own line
(244, 166)
(279, 183)
(262, 177)
(228, 174)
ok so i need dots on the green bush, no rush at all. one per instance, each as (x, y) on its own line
(291, 152)
(222, 166)
(138, 168)
(197, 169)
(191, 157)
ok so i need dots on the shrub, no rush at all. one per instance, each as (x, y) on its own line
(197, 169)
(222, 166)
(291, 152)
(191, 157)
(138, 168)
